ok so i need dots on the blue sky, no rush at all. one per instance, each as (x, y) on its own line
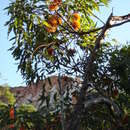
(8, 67)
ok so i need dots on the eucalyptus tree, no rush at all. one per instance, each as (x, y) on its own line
(58, 36)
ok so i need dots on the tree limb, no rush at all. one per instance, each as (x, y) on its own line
(103, 100)
(123, 19)
(74, 123)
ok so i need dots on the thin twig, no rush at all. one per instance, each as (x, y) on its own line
(42, 46)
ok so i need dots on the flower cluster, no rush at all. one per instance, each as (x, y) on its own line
(53, 22)
(11, 113)
(76, 21)
(54, 5)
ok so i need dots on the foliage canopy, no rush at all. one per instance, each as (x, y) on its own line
(40, 52)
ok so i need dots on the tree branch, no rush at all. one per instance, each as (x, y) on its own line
(123, 19)
(74, 123)
(103, 100)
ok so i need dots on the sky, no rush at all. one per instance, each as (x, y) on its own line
(8, 66)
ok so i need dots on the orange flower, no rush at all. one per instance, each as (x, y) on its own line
(53, 6)
(50, 51)
(11, 112)
(76, 25)
(51, 29)
(59, 21)
(76, 17)
(53, 20)
(11, 126)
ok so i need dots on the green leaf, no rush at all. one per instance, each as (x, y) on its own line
(46, 23)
